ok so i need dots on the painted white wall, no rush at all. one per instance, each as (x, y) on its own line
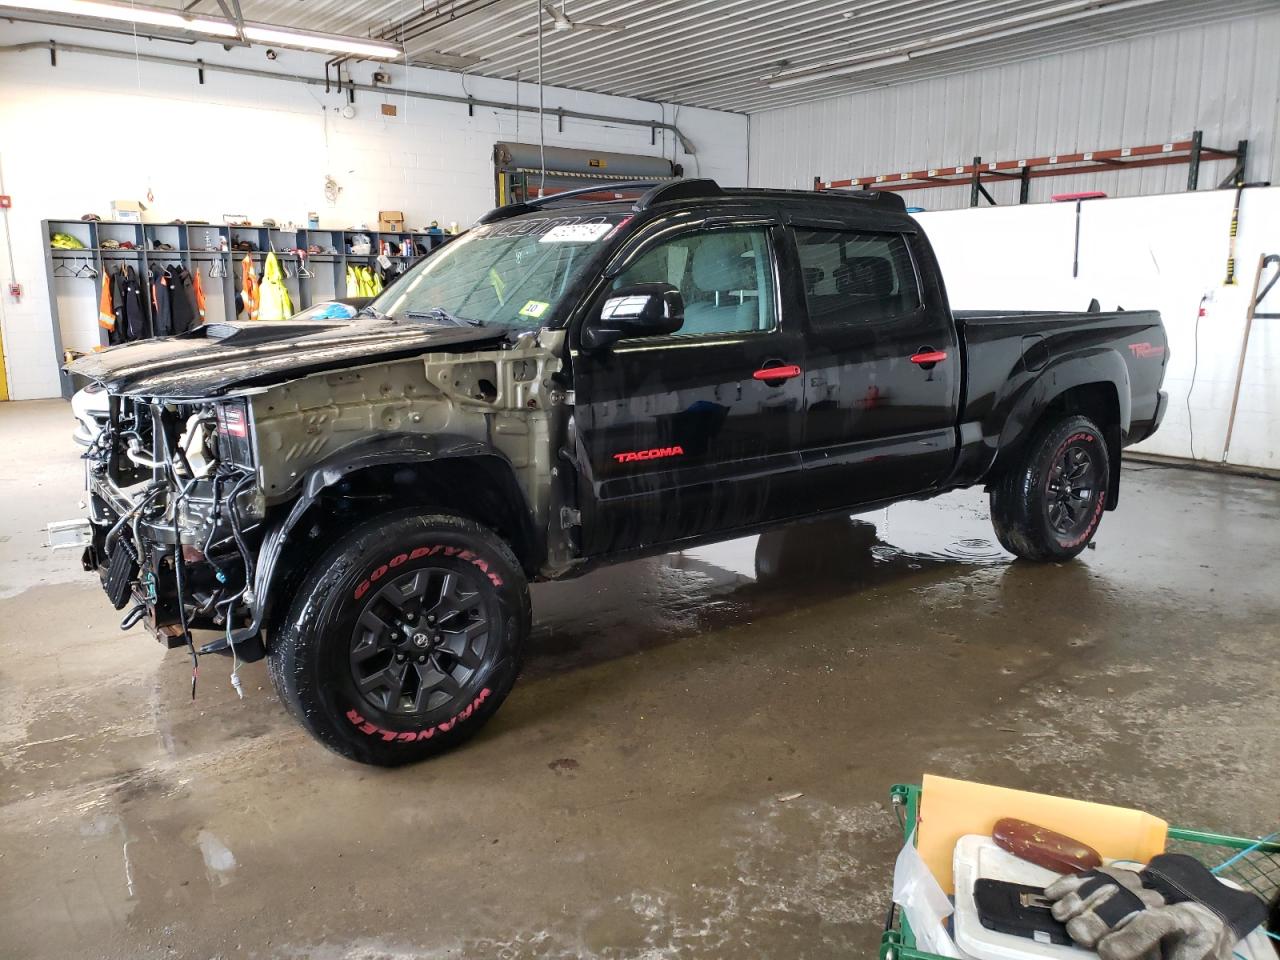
(1161, 252)
(76, 136)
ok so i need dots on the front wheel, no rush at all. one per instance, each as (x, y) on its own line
(404, 638)
(1048, 505)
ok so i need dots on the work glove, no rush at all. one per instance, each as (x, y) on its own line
(1176, 931)
(1094, 903)
(1175, 909)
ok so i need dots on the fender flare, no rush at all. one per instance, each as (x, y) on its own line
(1016, 415)
(382, 450)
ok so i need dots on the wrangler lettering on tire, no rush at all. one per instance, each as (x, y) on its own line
(389, 656)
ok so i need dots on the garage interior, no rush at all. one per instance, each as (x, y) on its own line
(697, 759)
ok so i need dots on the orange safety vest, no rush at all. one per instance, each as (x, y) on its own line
(106, 315)
(199, 289)
(249, 287)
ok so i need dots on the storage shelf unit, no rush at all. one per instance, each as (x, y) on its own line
(1192, 152)
(197, 244)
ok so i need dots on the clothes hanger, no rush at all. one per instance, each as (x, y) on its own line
(62, 270)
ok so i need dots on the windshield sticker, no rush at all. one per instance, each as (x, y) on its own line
(534, 308)
(576, 233)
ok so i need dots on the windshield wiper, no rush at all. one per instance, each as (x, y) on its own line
(441, 315)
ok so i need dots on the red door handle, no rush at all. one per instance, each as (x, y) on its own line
(777, 373)
(929, 356)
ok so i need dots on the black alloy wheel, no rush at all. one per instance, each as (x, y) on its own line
(1072, 489)
(1048, 500)
(419, 640)
(403, 638)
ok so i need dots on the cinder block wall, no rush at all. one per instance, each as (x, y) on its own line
(76, 136)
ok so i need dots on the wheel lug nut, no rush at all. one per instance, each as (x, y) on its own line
(399, 658)
(422, 659)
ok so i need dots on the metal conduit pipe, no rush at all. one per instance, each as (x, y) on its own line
(424, 21)
(685, 143)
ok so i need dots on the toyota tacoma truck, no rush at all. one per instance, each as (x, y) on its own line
(364, 502)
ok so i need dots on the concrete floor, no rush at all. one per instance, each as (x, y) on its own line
(624, 803)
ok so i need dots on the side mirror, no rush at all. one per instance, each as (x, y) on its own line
(640, 310)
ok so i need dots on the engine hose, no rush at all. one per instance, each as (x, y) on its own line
(146, 497)
(234, 510)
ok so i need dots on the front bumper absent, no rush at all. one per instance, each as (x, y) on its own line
(69, 534)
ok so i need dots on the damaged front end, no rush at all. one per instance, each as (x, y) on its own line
(175, 516)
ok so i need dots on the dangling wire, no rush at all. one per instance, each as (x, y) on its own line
(137, 67)
(542, 127)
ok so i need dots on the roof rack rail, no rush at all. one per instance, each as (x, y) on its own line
(529, 206)
(692, 189)
(888, 198)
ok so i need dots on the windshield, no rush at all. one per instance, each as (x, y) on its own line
(507, 274)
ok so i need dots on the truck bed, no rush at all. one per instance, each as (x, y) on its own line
(1008, 354)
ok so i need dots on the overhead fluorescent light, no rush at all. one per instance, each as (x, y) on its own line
(308, 40)
(176, 20)
(840, 71)
(150, 16)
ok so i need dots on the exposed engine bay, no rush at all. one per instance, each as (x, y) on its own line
(173, 505)
(201, 509)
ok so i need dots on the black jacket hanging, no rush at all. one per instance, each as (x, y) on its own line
(127, 302)
(161, 302)
(182, 299)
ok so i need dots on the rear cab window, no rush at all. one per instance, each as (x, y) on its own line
(854, 278)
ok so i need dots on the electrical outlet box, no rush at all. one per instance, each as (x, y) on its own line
(15, 291)
(6, 201)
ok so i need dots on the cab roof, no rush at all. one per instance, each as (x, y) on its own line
(686, 191)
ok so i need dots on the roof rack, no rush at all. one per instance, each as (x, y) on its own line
(693, 189)
(529, 206)
(887, 198)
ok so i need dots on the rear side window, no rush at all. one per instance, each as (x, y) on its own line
(855, 278)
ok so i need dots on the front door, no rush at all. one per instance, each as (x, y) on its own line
(697, 431)
(882, 367)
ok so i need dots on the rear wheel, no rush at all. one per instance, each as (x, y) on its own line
(1049, 505)
(404, 638)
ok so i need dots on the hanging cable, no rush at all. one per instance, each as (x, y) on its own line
(542, 127)
(1195, 366)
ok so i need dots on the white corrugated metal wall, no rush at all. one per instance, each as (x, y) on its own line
(1222, 78)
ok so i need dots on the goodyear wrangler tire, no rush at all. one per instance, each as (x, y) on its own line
(404, 638)
(1048, 506)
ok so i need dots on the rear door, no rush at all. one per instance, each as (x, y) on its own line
(687, 434)
(882, 364)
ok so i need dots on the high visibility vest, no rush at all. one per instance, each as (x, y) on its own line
(273, 295)
(106, 312)
(249, 287)
(199, 290)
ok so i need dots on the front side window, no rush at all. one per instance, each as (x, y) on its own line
(724, 276)
(511, 273)
(855, 278)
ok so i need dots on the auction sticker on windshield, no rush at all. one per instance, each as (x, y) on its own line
(534, 308)
(576, 233)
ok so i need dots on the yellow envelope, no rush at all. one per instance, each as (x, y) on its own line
(949, 809)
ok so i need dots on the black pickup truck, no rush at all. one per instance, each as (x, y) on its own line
(570, 384)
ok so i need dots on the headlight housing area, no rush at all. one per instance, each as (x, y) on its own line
(235, 441)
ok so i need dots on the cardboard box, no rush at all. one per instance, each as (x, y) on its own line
(127, 211)
(390, 221)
